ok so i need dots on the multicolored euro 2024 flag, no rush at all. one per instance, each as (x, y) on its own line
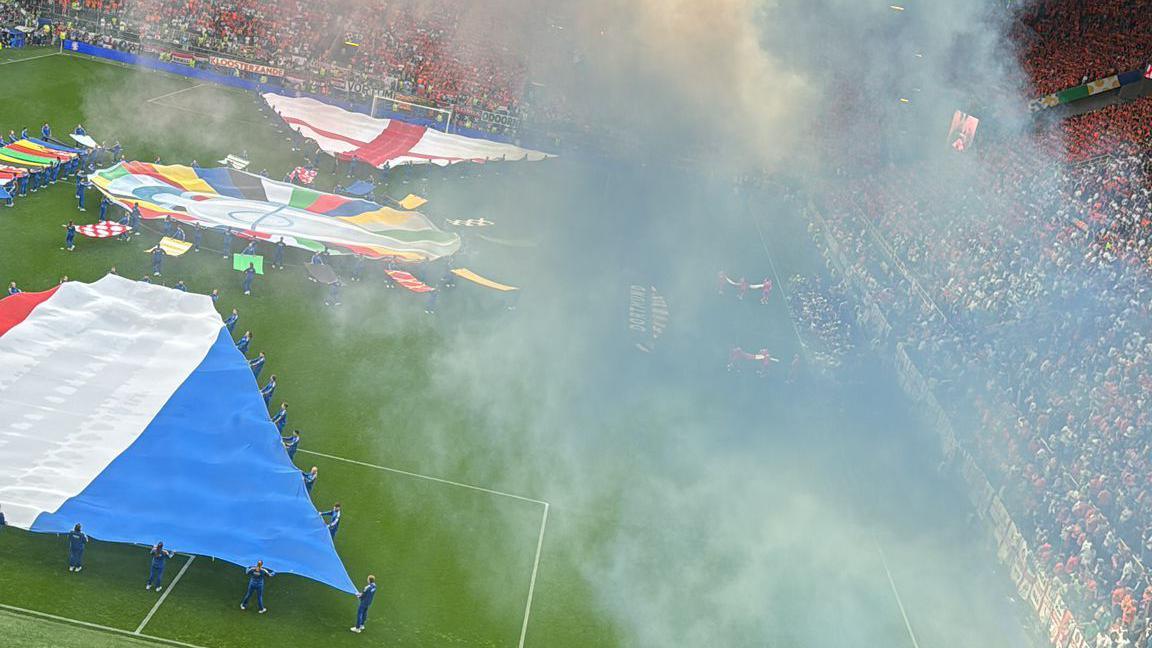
(259, 208)
(128, 409)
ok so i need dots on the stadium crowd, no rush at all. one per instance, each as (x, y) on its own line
(435, 51)
(1019, 287)
(1067, 43)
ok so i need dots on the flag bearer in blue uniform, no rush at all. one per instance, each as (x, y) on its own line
(104, 208)
(134, 218)
(267, 390)
(249, 275)
(291, 443)
(310, 478)
(81, 185)
(24, 184)
(232, 319)
(334, 522)
(160, 557)
(244, 341)
(45, 131)
(366, 595)
(278, 254)
(257, 364)
(157, 260)
(281, 418)
(256, 575)
(76, 541)
(70, 236)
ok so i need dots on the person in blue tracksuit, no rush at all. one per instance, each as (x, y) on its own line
(333, 522)
(227, 251)
(256, 575)
(249, 275)
(178, 234)
(169, 226)
(180, 286)
(81, 186)
(215, 295)
(11, 139)
(317, 258)
(291, 443)
(76, 541)
(257, 364)
(278, 254)
(232, 319)
(310, 478)
(70, 236)
(54, 171)
(197, 236)
(333, 294)
(358, 268)
(244, 341)
(250, 248)
(366, 595)
(24, 184)
(45, 131)
(4, 522)
(267, 390)
(157, 260)
(134, 218)
(160, 557)
(104, 208)
(79, 130)
(281, 418)
(12, 289)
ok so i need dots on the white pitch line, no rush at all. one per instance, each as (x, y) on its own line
(895, 592)
(163, 596)
(173, 94)
(97, 626)
(783, 287)
(428, 477)
(532, 583)
(30, 58)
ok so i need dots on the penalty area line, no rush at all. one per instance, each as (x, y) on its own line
(163, 596)
(427, 477)
(30, 58)
(532, 582)
(173, 94)
(97, 626)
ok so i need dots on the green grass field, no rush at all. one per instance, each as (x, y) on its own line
(509, 478)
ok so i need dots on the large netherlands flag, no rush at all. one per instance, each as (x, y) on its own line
(129, 410)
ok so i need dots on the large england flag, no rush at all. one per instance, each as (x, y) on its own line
(129, 410)
(386, 142)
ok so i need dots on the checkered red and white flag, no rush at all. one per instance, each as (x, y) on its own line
(103, 229)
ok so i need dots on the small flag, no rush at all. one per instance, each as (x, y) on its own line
(465, 273)
(304, 175)
(103, 229)
(412, 201)
(470, 222)
(321, 273)
(1148, 71)
(240, 262)
(410, 282)
(172, 247)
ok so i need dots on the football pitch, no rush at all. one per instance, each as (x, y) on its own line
(488, 519)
